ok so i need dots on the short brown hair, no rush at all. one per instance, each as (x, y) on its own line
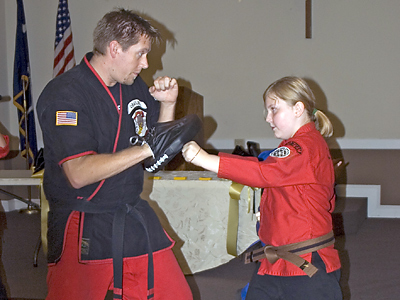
(123, 26)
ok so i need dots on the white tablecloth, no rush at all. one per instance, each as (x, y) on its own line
(193, 208)
(18, 177)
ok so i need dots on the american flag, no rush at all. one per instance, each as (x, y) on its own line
(67, 118)
(64, 58)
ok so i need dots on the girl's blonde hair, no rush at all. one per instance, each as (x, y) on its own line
(294, 89)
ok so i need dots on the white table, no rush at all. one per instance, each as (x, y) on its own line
(23, 178)
(19, 178)
(193, 207)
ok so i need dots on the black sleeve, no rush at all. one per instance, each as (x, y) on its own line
(67, 129)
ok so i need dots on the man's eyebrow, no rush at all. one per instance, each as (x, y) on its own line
(146, 49)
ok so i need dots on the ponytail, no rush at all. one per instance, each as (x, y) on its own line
(322, 123)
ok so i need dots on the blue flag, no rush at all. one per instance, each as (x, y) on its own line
(22, 89)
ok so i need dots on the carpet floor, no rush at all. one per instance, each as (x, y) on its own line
(371, 265)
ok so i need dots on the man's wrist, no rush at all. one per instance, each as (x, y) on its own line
(147, 150)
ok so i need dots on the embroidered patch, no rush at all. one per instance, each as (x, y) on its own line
(296, 146)
(137, 110)
(280, 152)
(66, 118)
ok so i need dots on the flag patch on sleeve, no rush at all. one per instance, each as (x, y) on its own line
(66, 118)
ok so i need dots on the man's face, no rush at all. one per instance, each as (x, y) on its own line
(130, 63)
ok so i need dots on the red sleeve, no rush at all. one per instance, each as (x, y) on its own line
(285, 166)
(4, 151)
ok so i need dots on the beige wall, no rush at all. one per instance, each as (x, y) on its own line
(230, 50)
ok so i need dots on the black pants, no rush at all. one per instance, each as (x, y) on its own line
(321, 286)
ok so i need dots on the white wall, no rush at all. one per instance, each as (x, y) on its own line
(4, 115)
(231, 50)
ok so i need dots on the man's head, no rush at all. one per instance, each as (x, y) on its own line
(121, 41)
(123, 26)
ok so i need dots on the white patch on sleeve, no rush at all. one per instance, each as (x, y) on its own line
(280, 152)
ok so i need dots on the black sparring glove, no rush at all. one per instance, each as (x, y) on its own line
(167, 139)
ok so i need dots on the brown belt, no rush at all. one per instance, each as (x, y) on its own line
(291, 252)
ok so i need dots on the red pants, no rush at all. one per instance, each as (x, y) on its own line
(71, 280)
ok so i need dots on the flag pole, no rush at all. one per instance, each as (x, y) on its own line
(24, 88)
(22, 97)
(25, 82)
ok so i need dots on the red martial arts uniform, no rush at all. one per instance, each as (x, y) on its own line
(298, 196)
(169, 281)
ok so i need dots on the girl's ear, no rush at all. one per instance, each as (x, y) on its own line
(299, 109)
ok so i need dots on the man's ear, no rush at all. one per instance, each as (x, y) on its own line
(114, 47)
(299, 108)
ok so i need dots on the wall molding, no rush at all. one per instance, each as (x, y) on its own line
(373, 194)
(377, 144)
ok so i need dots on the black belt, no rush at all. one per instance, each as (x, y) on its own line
(117, 250)
(120, 211)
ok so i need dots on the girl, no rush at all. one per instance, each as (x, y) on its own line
(298, 196)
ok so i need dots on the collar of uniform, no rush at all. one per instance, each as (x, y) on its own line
(310, 126)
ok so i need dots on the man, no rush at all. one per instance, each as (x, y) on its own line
(93, 176)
